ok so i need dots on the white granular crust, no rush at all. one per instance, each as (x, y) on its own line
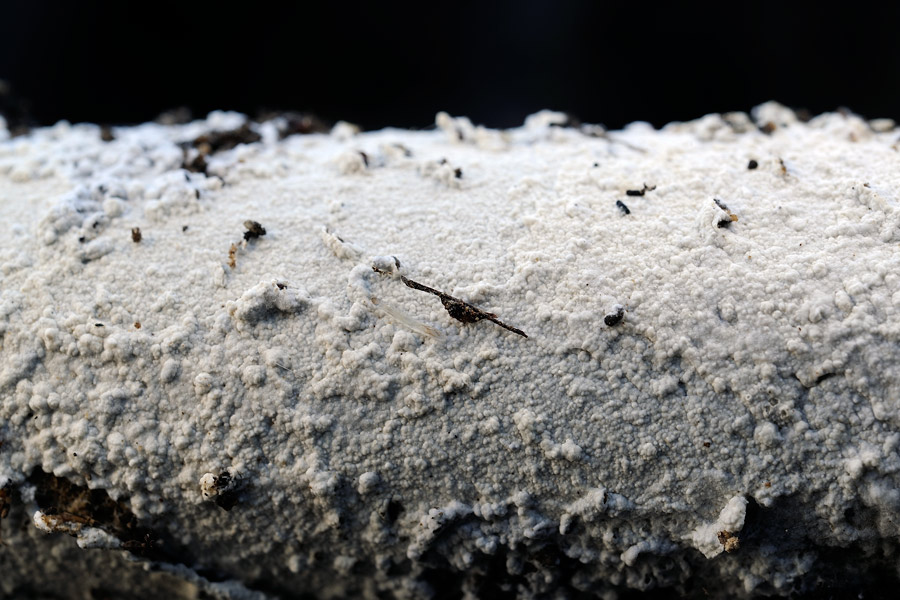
(726, 354)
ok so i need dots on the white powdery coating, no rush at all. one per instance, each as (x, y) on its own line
(756, 355)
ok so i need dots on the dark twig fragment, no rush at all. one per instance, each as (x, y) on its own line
(622, 207)
(641, 191)
(458, 309)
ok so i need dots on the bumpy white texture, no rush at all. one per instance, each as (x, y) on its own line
(375, 436)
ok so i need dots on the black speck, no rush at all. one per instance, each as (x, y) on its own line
(254, 230)
(596, 164)
(197, 194)
(184, 227)
(641, 191)
(98, 324)
(457, 172)
(81, 239)
(136, 235)
(615, 318)
(365, 157)
(622, 207)
(280, 286)
(752, 165)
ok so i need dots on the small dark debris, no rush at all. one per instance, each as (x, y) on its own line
(570, 122)
(137, 324)
(197, 194)
(136, 235)
(106, 133)
(615, 318)
(98, 324)
(219, 141)
(783, 167)
(195, 165)
(254, 230)
(752, 165)
(457, 172)
(215, 141)
(232, 256)
(729, 541)
(725, 222)
(302, 124)
(365, 157)
(622, 207)
(641, 191)
(184, 228)
(768, 127)
(458, 309)
(228, 490)
(81, 239)
(596, 164)
(706, 444)
(280, 286)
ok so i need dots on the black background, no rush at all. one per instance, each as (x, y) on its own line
(379, 63)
